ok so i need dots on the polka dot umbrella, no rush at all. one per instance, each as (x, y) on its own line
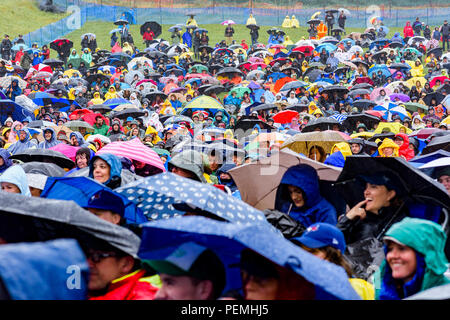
(166, 195)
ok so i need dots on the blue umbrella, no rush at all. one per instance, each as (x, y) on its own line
(157, 195)
(276, 76)
(418, 161)
(82, 189)
(116, 102)
(329, 47)
(18, 46)
(227, 240)
(379, 42)
(379, 67)
(9, 108)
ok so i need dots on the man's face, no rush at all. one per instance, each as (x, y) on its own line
(99, 121)
(104, 271)
(179, 288)
(106, 215)
(355, 148)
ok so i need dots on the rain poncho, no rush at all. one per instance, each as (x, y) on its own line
(251, 20)
(286, 22)
(74, 55)
(404, 150)
(6, 161)
(316, 208)
(388, 143)
(111, 94)
(22, 145)
(419, 125)
(115, 169)
(47, 144)
(343, 147)
(87, 57)
(428, 241)
(17, 176)
(97, 100)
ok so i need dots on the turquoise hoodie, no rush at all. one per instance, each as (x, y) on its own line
(17, 176)
(115, 166)
(428, 239)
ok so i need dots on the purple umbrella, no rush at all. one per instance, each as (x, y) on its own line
(253, 85)
(400, 96)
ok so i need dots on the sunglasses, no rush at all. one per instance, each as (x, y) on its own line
(97, 256)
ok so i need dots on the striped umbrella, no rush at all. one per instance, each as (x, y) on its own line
(134, 150)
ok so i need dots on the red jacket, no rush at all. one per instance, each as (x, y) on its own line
(148, 36)
(408, 30)
(130, 287)
(404, 150)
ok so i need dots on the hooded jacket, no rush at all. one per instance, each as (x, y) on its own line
(115, 166)
(20, 145)
(47, 144)
(17, 176)
(388, 143)
(6, 161)
(81, 142)
(316, 208)
(404, 150)
(408, 31)
(428, 241)
(97, 100)
(229, 183)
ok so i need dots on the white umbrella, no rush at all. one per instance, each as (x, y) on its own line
(346, 12)
(101, 137)
(441, 162)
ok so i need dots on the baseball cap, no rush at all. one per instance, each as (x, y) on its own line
(322, 234)
(107, 200)
(384, 179)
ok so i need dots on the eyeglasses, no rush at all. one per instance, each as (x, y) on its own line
(96, 256)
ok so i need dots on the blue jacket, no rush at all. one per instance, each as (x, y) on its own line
(4, 154)
(224, 169)
(17, 176)
(41, 270)
(187, 39)
(47, 144)
(81, 142)
(336, 159)
(20, 145)
(115, 168)
(316, 208)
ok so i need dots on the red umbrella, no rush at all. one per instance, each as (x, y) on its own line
(375, 113)
(144, 81)
(77, 114)
(67, 150)
(344, 135)
(90, 118)
(424, 133)
(285, 116)
(306, 50)
(440, 78)
(258, 64)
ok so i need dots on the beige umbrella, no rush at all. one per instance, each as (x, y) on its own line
(266, 174)
(302, 142)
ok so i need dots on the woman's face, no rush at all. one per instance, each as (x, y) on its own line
(388, 152)
(377, 196)
(296, 195)
(101, 171)
(81, 161)
(257, 288)
(314, 154)
(402, 260)
(9, 187)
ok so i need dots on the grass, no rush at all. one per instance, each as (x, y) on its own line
(216, 33)
(24, 16)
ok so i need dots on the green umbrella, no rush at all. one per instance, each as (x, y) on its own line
(199, 68)
(161, 152)
(413, 107)
(240, 91)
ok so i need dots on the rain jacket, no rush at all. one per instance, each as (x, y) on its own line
(187, 39)
(229, 183)
(133, 286)
(97, 100)
(388, 143)
(286, 23)
(316, 208)
(150, 130)
(336, 159)
(7, 162)
(428, 241)
(404, 150)
(408, 31)
(16, 91)
(343, 147)
(111, 94)
(47, 144)
(115, 166)
(103, 130)
(20, 145)
(17, 176)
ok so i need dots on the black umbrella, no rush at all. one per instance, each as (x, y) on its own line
(342, 70)
(395, 44)
(152, 95)
(412, 184)
(298, 107)
(245, 125)
(363, 85)
(363, 104)
(93, 78)
(368, 119)
(121, 22)
(437, 52)
(314, 21)
(174, 71)
(45, 168)
(44, 155)
(132, 112)
(434, 95)
(32, 219)
(208, 49)
(53, 62)
(61, 45)
(264, 106)
(154, 26)
(399, 66)
(356, 92)
(313, 74)
(445, 87)
(335, 88)
(382, 136)
(272, 30)
(253, 26)
(323, 123)
(216, 89)
(156, 54)
(229, 70)
(100, 108)
(438, 143)
(332, 11)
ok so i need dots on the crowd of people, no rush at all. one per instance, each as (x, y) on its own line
(156, 162)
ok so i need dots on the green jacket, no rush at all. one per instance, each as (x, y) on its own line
(103, 130)
(425, 237)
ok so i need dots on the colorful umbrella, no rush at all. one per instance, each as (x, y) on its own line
(285, 116)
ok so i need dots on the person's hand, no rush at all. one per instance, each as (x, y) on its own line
(357, 211)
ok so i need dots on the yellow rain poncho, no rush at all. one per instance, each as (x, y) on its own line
(251, 20)
(71, 94)
(343, 147)
(127, 48)
(416, 71)
(111, 94)
(152, 131)
(388, 143)
(167, 108)
(312, 107)
(287, 41)
(286, 23)
(294, 22)
(97, 100)
(318, 112)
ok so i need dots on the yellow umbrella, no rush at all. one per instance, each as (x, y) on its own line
(315, 15)
(446, 120)
(412, 82)
(364, 135)
(302, 142)
(184, 55)
(71, 72)
(392, 126)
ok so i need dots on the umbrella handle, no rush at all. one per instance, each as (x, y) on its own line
(389, 224)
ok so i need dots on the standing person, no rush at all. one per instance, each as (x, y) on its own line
(445, 32)
(229, 31)
(85, 43)
(417, 27)
(196, 43)
(124, 35)
(176, 36)
(204, 39)
(5, 48)
(341, 20)
(45, 52)
(148, 36)
(187, 38)
(329, 19)
(114, 39)
(254, 34)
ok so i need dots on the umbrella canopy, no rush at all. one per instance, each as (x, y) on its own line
(302, 142)
(363, 104)
(45, 168)
(121, 22)
(434, 95)
(130, 112)
(285, 116)
(154, 26)
(174, 191)
(323, 123)
(432, 168)
(77, 124)
(266, 173)
(44, 155)
(438, 143)
(228, 240)
(33, 219)
(368, 119)
(67, 150)
(134, 150)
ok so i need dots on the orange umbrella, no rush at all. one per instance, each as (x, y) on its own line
(281, 82)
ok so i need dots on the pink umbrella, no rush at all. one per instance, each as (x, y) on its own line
(144, 81)
(228, 22)
(255, 60)
(134, 150)
(424, 133)
(344, 135)
(376, 93)
(67, 150)
(379, 114)
(258, 64)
